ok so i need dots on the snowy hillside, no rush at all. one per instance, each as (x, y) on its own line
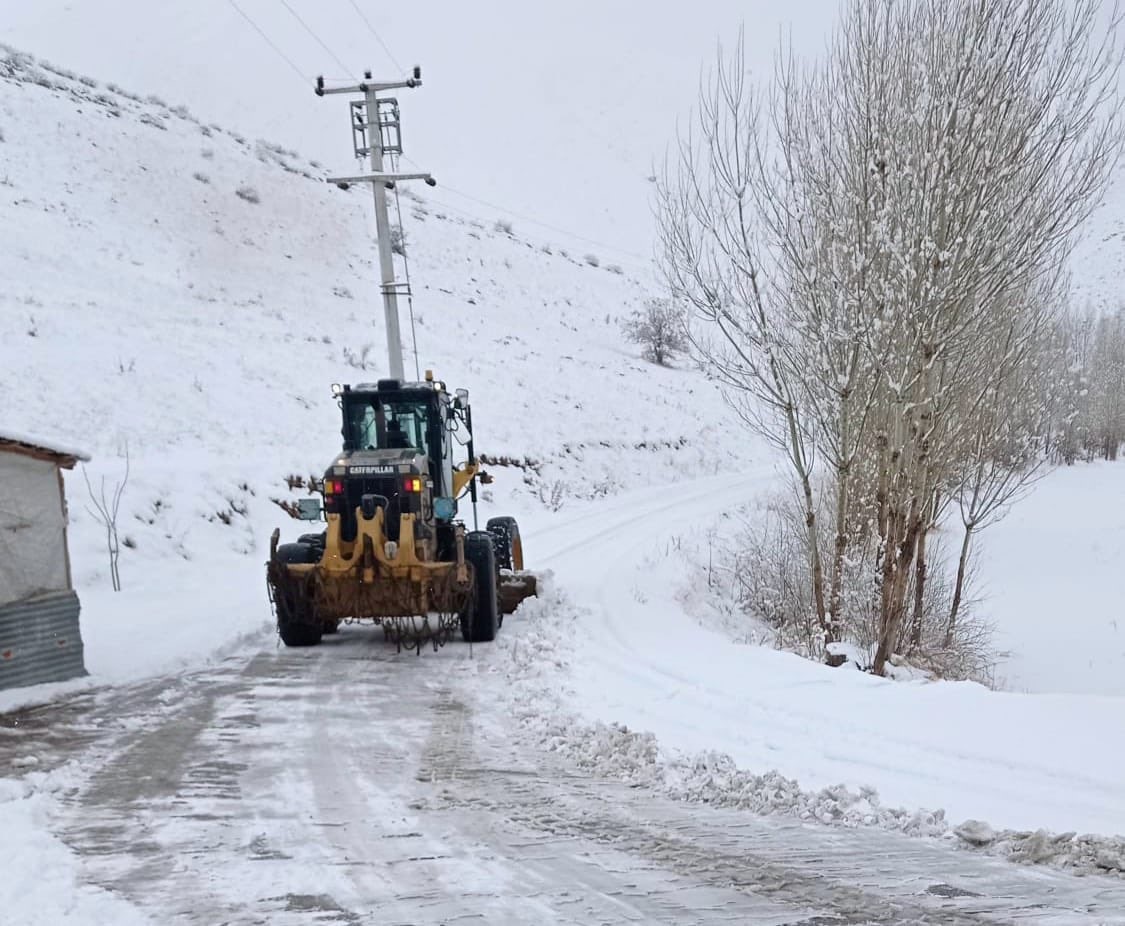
(187, 294)
(1098, 265)
(526, 107)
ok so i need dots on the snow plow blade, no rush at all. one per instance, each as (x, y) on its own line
(515, 587)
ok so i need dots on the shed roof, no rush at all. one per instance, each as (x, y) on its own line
(42, 448)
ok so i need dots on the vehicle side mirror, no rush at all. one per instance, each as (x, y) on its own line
(308, 509)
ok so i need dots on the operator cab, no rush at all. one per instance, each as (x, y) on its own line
(386, 422)
(398, 448)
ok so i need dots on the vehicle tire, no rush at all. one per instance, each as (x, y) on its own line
(481, 618)
(295, 623)
(509, 547)
(316, 542)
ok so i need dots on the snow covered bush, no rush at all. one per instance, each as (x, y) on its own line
(503, 226)
(660, 328)
(592, 259)
(248, 193)
(105, 510)
(359, 360)
(398, 240)
(553, 496)
(201, 177)
(122, 92)
(761, 569)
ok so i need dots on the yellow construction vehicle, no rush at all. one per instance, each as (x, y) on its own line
(394, 551)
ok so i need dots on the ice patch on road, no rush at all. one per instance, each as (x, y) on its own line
(532, 656)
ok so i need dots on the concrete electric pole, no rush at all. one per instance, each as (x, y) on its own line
(376, 132)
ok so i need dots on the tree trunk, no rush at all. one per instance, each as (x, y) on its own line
(901, 547)
(919, 590)
(895, 596)
(814, 555)
(886, 596)
(958, 585)
(839, 551)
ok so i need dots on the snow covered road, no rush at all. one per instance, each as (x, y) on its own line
(350, 784)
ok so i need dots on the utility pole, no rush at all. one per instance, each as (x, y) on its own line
(376, 131)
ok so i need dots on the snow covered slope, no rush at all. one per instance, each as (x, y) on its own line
(188, 295)
(556, 111)
(1098, 264)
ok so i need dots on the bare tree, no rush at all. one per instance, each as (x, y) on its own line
(712, 204)
(1003, 448)
(870, 241)
(1087, 414)
(105, 510)
(660, 329)
(1107, 386)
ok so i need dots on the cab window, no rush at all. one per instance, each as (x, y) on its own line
(377, 424)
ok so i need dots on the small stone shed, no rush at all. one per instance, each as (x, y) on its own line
(39, 634)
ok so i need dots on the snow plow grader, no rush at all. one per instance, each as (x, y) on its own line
(394, 552)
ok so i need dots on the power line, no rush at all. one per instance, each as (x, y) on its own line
(474, 218)
(319, 41)
(269, 42)
(527, 218)
(305, 79)
(406, 268)
(378, 38)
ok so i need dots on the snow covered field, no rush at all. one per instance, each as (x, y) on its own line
(147, 305)
(1053, 570)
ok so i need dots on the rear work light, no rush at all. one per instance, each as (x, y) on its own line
(333, 487)
(412, 484)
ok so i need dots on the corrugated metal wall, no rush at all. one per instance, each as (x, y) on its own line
(40, 640)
